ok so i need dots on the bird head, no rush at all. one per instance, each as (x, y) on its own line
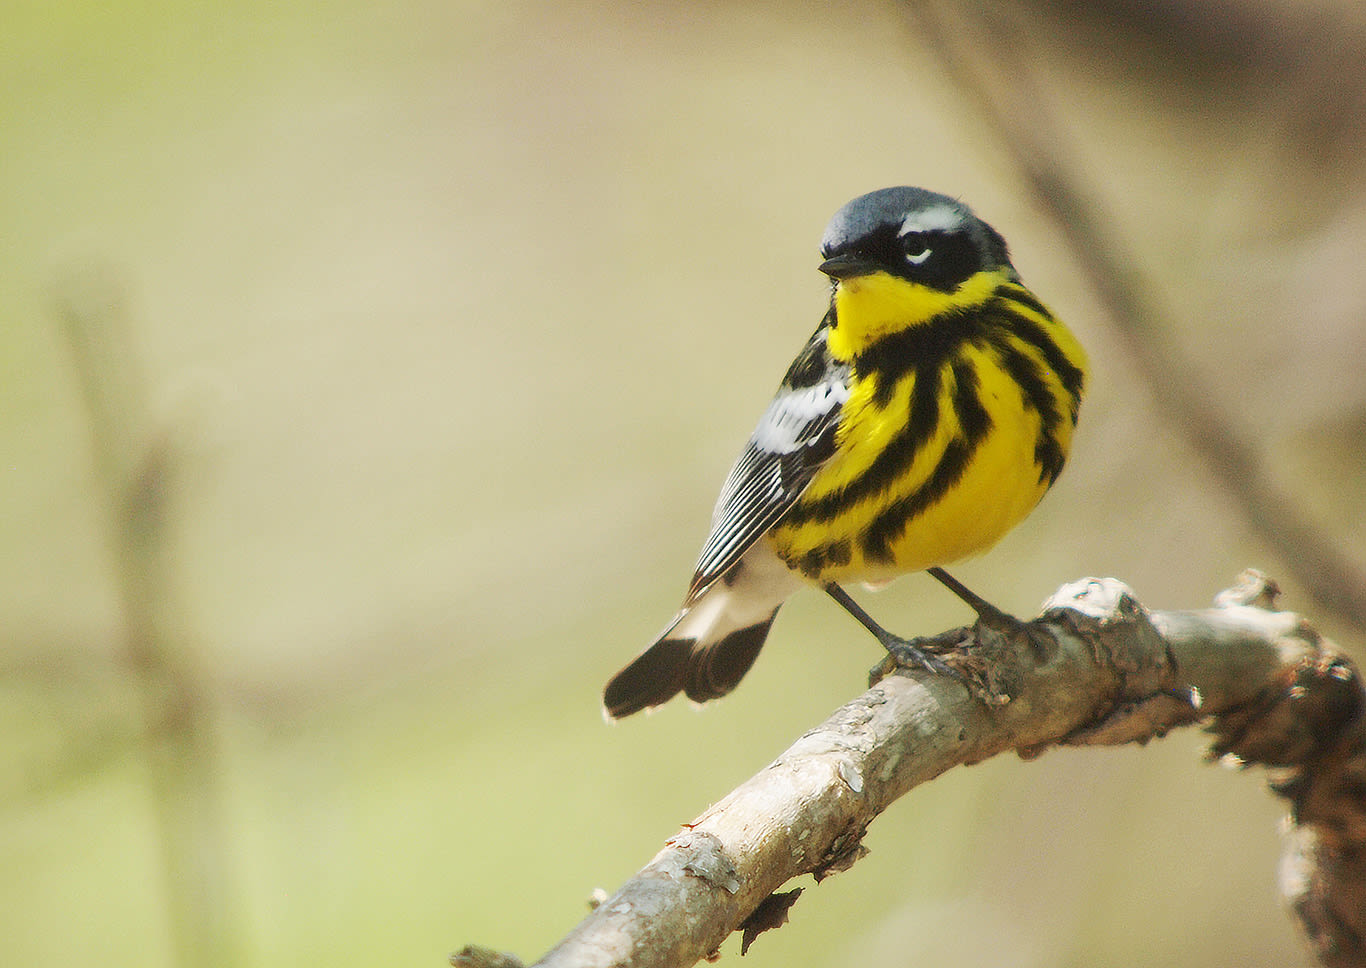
(920, 236)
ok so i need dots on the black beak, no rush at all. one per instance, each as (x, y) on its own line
(848, 265)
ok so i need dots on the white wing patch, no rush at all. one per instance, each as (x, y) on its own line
(793, 439)
(786, 423)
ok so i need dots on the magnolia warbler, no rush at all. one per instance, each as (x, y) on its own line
(928, 414)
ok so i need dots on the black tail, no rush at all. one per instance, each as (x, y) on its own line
(701, 669)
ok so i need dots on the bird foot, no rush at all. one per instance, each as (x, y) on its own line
(991, 619)
(919, 653)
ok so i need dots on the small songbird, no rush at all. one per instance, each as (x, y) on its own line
(926, 417)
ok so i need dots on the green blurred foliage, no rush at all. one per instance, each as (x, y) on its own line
(453, 316)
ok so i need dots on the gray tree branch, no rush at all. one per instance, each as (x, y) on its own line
(1101, 671)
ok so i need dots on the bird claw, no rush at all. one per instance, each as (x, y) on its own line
(918, 653)
(924, 653)
(1009, 627)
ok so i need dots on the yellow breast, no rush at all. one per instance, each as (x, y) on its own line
(929, 513)
(937, 457)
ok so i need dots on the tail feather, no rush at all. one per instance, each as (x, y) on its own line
(655, 677)
(702, 669)
(715, 668)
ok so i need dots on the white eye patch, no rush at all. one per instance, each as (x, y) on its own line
(917, 251)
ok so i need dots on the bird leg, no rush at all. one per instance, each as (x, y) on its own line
(901, 652)
(987, 612)
(991, 617)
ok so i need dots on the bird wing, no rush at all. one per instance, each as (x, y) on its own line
(795, 436)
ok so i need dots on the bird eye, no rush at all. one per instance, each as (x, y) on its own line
(916, 246)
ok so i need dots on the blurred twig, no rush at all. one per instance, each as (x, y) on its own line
(980, 52)
(133, 463)
(1274, 692)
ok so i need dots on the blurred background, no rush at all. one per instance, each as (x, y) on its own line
(369, 371)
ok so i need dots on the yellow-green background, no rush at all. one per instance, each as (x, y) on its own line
(454, 315)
